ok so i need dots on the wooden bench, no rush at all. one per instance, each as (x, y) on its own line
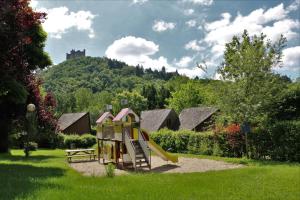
(71, 153)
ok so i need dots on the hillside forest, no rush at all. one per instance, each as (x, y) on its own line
(257, 95)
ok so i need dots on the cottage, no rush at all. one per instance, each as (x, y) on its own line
(153, 120)
(74, 123)
(197, 119)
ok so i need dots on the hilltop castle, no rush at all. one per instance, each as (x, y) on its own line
(75, 54)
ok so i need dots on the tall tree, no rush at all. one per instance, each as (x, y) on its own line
(188, 95)
(247, 66)
(22, 41)
(134, 100)
(150, 93)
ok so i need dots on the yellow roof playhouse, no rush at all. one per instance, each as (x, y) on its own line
(123, 142)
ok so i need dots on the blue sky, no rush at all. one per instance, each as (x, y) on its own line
(176, 34)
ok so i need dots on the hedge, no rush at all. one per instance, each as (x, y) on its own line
(184, 141)
(76, 141)
(277, 141)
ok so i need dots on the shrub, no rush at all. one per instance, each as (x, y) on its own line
(277, 141)
(31, 146)
(285, 140)
(110, 170)
(184, 141)
(200, 143)
(76, 141)
(47, 138)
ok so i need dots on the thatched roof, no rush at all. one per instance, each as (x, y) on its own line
(152, 120)
(104, 116)
(68, 119)
(190, 118)
(124, 112)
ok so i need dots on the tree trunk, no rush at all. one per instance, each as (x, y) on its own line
(4, 131)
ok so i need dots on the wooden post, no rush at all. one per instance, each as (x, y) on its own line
(99, 150)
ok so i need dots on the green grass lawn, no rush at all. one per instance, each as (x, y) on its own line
(46, 175)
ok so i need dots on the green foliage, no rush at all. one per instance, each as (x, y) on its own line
(99, 74)
(248, 63)
(187, 96)
(110, 170)
(184, 141)
(83, 141)
(279, 141)
(134, 100)
(12, 91)
(287, 107)
(32, 146)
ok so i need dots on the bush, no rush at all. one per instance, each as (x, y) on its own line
(76, 141)
(184, 141)
(47, 138)
(32, 146)
(277, 141)
(110, 170)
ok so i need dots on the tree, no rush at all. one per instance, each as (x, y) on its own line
(150, 93)
(135, 101)
(187, 96)
(252, 86)
(22, 41)
(162, 95)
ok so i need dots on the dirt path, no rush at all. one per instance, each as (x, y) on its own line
(185, 165)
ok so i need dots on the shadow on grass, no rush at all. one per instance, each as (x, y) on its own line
(164, 168)
(31, 158)
(243, 160)
(18, 181)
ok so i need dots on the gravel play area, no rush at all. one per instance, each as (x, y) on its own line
(185, 165)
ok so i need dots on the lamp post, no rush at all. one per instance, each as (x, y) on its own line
(30, 117)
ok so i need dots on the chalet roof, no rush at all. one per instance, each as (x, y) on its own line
(103, 117)
(124, 112)
(190, 118)
(67, 119)
(152, 120)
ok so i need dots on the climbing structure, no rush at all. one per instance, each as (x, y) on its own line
(120, 141)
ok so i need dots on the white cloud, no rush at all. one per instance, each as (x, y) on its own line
(191, 23)
(184, 62)
(291, 59)
(33, 3)
(294, 6)
(191, 72)
(188, 11)
(136, 50)
(160, 26)
(200, 2)
(219, 23)
(193, 45)
(139, 1)
(60, 20)
(273, 22)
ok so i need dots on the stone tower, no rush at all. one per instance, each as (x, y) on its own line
(75, 54)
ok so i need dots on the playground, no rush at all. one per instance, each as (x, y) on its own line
(122, 142)
(184, 165)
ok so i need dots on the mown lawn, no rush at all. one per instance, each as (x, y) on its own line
(45, 175)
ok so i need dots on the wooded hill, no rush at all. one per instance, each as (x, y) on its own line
(100, 74)
(88, 84)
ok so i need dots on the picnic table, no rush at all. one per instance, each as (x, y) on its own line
(71, 153)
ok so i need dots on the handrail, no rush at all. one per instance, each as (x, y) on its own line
(145, 147)
(130, 147)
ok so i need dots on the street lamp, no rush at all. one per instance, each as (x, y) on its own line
(30, 107)
(30, 117)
